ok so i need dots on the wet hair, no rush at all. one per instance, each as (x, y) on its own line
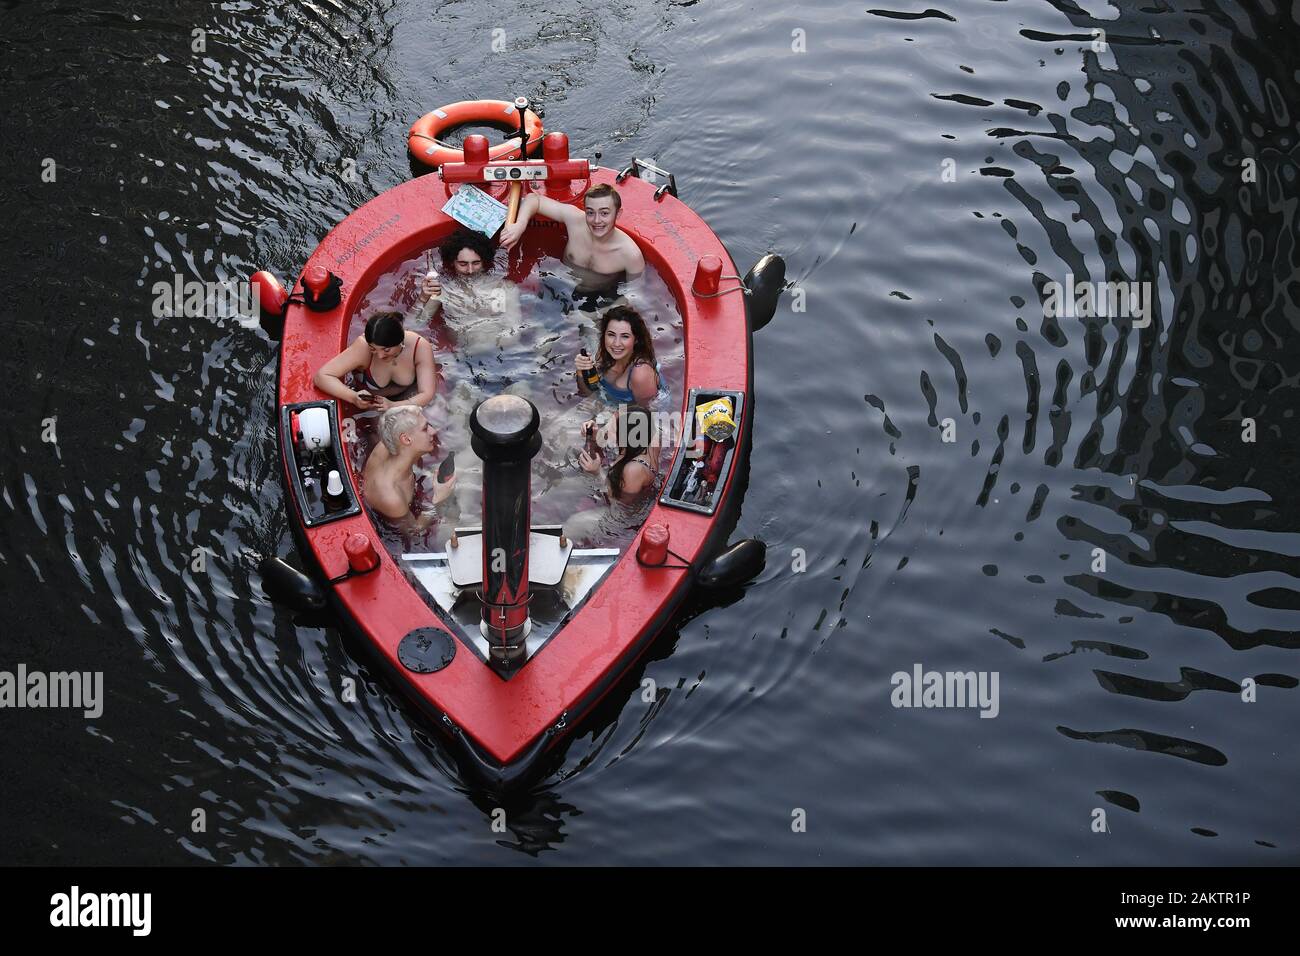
(396, 422)
(643, 348)
(450, 248)
(604, 191)
(385, 330)
(635, 426)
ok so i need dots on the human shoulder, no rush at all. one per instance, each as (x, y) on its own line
(357, 354)
(634, 261)
(383, 495)
(374, 466)
(636, 479)
(644, 374)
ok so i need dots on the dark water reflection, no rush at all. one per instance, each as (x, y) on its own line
(1074, 439)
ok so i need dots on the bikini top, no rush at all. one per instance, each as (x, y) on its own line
(624, 396)
(373, 386)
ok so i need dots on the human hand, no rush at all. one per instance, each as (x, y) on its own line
(442, 489)
(512, 233)
(583, 362)
(363, 400)
(589, 463)
(380, 403)
(430, 287)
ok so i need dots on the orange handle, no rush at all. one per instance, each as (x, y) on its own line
(512, 204)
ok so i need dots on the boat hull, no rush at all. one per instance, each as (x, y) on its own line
(504, 731)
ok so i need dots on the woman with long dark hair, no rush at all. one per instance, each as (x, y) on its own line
(625, 358)
(635, 470)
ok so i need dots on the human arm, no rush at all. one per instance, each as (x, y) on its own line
(442, 489)
(532, 204)
(386, 500)
(635, 480)
(644, 383)
(329, 377)
(395, 511)
(431, 293)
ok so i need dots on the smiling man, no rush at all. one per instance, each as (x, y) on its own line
(600, 253)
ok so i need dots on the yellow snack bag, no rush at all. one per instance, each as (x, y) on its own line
(715, 419)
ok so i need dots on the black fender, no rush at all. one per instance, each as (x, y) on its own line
(737, 564)
(765, 282)
(486, 773)
(286, 585)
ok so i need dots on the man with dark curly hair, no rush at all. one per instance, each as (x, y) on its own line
(476, 305)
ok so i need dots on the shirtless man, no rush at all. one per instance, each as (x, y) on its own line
(595, 244)
(389, 475)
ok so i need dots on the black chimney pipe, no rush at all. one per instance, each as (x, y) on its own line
(506, 436)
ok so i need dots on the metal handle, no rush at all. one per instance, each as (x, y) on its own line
(635, 170)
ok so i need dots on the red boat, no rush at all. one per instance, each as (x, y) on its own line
(550, 631)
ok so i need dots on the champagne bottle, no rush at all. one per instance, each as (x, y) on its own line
(590, 376)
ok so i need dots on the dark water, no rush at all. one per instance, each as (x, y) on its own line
(1119, 689)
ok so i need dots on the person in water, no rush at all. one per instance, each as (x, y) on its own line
(471, 291)
(390, 473)
(625, 358)
(601, 254)
(396, 367)
(635, 470)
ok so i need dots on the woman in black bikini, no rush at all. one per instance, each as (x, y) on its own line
(395, 367)
(634, 473)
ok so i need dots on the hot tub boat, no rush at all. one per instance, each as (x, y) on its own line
(511, 634)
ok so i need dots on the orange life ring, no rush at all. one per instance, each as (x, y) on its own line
(425, 146)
